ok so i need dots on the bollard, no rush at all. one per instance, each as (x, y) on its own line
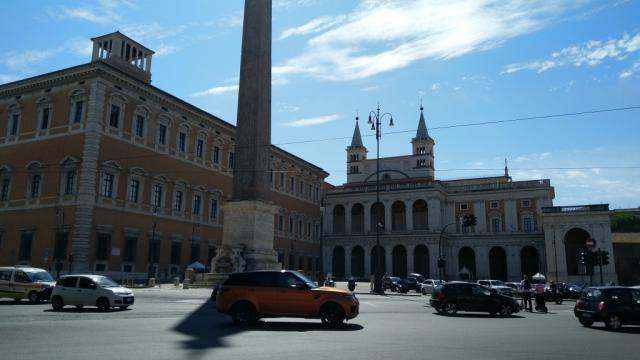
(152, 282)
(176, 281)
(186, 283)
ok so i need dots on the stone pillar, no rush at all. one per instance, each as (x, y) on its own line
(367, 218)
(347, 260)
(482, 262)
(410, 267)
(433, 262)
(409, 214)
(347, 218)
(327, 219)
(367, 261)
(387, 217)
(480, 212)
(388, 252)
(510, 216)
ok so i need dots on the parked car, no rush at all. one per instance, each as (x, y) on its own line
(500, 286)
(25, 282)
(90, 290)
(457, 296)
(427, 286)
(248, 296)
(575, 290)
(613, 305)
(412, 282)
(390, 283)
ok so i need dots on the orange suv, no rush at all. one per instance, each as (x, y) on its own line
(248, 296)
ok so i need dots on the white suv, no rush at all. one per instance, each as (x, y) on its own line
(90, 290)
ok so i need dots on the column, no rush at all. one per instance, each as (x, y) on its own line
(347, 218)
(480, 212)
(433, 209)
(510, 216)
(514, 266)
(409, 214)
(482, 262)
(388, 252)
(433, 261)
(410, 267)
(367, 218)
(367, 261)
(387, 217)
(347, 260)
(327, 218)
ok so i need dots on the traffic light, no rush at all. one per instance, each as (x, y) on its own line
(589, 262)
(469, 220)
(604, 258)
(583, 258)
(595, 258)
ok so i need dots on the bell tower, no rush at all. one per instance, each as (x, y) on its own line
(356, 155)
(423, 149)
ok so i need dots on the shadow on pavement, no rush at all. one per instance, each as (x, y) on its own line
(208, 328)
(23, 302)
(480, 316)
(73, 309)
(623, 330)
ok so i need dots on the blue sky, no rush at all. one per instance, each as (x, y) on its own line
(467, 62)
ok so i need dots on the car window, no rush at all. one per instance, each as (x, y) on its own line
(479, 290)
(636, 295)
(41, 276)
(591, 294)
(619, 295)
(481, 282)
(69, 281)
(5, 275)
(21, 277)
(86, 283)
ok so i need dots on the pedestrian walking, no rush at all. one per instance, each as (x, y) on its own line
(526, 294)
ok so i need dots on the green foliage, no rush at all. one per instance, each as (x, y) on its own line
(625, 222)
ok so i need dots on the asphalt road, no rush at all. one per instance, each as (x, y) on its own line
(183, 324)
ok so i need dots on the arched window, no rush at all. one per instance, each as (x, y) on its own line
(377, 217)
(357, 218)
(420, 215)
(398, 216)
(338, 219)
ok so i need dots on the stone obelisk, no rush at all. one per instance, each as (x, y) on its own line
(249, 216)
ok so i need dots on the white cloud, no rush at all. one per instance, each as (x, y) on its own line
(288, 109)
(217, 90)
(371, 88)
(23, 60)
(312, 121)
(313, 26)
(385, 35)
(631, 71)
(591, 53)
(435, 87)
(82, 47)
(165, 49)
(105, 13)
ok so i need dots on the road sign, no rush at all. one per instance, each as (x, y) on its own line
(591, 243)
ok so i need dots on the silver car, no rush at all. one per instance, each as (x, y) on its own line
(90, 290)
(428, 285)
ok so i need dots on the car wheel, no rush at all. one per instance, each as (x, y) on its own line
(243, 313)
(57, 303)
(613, 322)
(332, 314)
(450, 308)
(505, 310)
(79, 306)
(33, 297)
(585, 322)
(103, 304)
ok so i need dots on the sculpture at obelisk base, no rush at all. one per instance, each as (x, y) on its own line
(249, 216)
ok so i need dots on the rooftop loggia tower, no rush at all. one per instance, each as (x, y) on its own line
(423, 148)
(124, 53)
(356, 154)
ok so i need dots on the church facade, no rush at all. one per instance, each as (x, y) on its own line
(419, 220)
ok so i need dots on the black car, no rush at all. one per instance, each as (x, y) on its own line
(613, 305)
(462, 296)
(390, 283)
(411, 282)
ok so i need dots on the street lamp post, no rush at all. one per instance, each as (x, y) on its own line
(441, 261)
(375, 119)
(153, 238)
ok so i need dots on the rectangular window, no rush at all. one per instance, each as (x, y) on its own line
(527, 224)
(281, 181)
(35, 186)
(44, 121)
(157, 196)
(129, 253)
(214, 209)
(216, 155)
(196, 204)
(299, 227)
(102, 247)
(231, 160)
(4, 189)
(195, 252)
(162, 134)
(70, 182)
(301, 188)
(525, 203)
(495, 225)
(495, 204)
(60, 249)
(114, 119)
(25, 247)
(199, 147)
(182, 141)
(77, 114)
(292, 185)
(290, 225)
(212, 252)
(107, 185)
(280, 223)
(15, 118)
(134, 190)
(139, 125)
(464, 206)
(177, 201)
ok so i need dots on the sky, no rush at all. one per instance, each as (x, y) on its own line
(551, 86)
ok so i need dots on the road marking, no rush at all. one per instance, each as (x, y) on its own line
(191, 301)
(368, 303)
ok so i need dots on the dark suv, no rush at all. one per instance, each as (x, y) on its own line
(615, 306)
(462, 296)
(411, 282)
